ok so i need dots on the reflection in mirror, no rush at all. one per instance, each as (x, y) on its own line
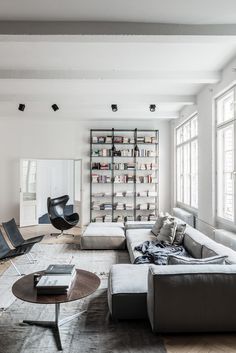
(43, 178)
(29, 180)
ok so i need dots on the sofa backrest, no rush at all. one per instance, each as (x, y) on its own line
(200, 245)
(185, 216)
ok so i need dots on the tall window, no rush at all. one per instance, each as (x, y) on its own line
(187, 162)
(225, 125)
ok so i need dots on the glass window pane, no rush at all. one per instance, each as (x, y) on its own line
(225, 168)
(225, 107)
(194, 127)
(179, 163)
(186, 131)
(179, 135)
(186, 167)
(194, 174)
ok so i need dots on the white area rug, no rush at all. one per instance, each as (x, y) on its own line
(94, 331)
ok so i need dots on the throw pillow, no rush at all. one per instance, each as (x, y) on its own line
(158, 225)
(167, 232)
(179, 234)
(182, 260)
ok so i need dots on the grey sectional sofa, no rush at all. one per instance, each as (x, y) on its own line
(176, 298)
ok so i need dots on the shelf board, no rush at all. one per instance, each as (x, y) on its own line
(125, 143)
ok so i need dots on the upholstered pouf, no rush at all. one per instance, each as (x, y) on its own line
(103, 236)
(127, 291)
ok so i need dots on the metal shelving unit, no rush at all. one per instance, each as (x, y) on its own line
(134, 187)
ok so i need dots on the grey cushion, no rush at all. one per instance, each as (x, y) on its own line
(106, 238)
(167, 232)
(158, 224)
(192, 246)
(127, 291)
(182, 260)
(179, 234)
(207, 252)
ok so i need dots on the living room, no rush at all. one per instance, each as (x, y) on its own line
(95, 96)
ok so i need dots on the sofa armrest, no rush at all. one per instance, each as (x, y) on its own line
(192, 298)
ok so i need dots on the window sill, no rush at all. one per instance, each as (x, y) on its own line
(188, 208)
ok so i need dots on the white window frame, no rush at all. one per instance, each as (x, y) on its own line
(189, 142)
(219, 126)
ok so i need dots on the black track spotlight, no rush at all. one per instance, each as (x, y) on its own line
(55, 107)
(152, 107)
(21, 107)
(114, 107)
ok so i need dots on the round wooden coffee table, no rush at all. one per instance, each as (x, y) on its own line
(84, 284)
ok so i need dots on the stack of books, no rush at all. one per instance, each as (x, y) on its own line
(56, 280)
(108, 218)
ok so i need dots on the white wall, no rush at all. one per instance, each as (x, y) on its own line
(206, 139)
(42, 139)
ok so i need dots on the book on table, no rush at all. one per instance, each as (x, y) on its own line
(60, 269)
(57, 279)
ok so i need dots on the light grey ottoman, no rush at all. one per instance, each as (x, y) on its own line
(127, 291)
(103, 237)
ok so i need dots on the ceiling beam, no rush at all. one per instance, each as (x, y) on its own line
(112, 28)
(101, 99)
(198, 77)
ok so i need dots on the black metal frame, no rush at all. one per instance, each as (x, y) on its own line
(135, 132)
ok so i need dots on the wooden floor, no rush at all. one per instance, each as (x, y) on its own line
(194, 343)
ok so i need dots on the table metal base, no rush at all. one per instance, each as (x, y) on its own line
(54, 325)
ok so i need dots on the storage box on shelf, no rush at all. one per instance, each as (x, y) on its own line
(134, 151)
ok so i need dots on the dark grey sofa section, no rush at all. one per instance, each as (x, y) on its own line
(185, 298)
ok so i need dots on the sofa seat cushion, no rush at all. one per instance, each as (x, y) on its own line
(135, 237)
(127, 299)
(106, 238)
(107, 224)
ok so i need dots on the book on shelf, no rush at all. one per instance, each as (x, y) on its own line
(119, 206)
(107, 218)
(152, 193)
(129, 206)
(129, 218)
(143, 206)
(129, 193)
(118, 194)
(142, 193)
(152, 217)
(98, 219)
(119, 219)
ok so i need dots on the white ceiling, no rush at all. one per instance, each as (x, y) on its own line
(85, 76)
(162, 11)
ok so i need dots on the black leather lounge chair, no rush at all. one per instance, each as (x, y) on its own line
(15, 236)
(6, 253)
(59, 219)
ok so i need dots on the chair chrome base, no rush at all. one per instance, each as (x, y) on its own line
(54, 325)
(58, 235)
